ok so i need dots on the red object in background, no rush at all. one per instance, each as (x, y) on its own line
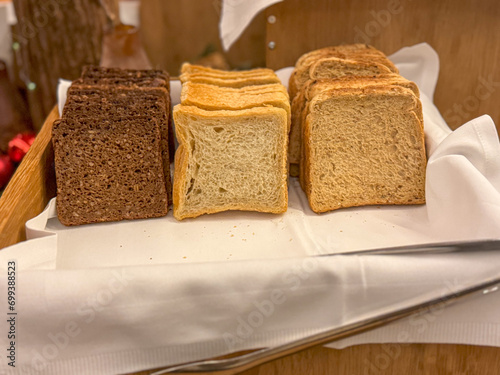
(14, 114)
(6, 170)
(19, 146)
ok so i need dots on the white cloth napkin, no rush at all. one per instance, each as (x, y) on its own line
(121, 297)
(235, 17)
(130, 12)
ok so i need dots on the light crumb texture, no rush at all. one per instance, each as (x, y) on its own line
(230, 160)
(363, 147)
(314, 87)
(108, 169)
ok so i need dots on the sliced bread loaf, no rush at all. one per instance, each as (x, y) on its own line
(188, 69)
(230, 160)
(359, 59)
(313, 87)
(108, 169)
(236, 82)
(142, 84)
(363, 146)
(93, 72)
(93, 102)
(211, 97)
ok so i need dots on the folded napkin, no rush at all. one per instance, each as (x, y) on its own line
(121, 297)
(235, 17)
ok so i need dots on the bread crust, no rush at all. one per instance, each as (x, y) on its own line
(356, 56)
(211, 97)
(188, 69)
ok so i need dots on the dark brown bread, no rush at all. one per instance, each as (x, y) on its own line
(141, 86)
(124, 102)
(92, 71)
(97, 75)
(108, 168)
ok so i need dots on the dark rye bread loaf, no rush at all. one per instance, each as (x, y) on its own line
(140, 86)
(92, 71)
(120, 101)
(97, 75)
(108, 168)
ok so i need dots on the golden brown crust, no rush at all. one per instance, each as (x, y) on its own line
(188, 68)
(361, 54)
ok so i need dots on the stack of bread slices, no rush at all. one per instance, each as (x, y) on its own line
(357, 130)
(112, 147)
(232, 129)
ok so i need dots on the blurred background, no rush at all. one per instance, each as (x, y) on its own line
(43, 41)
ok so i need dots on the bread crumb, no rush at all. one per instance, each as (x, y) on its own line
(184, 257)
(232, 235)
(244, 239)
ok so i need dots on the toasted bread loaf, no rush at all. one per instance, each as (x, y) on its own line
(363, 146)
(230, 160)
(108, 169)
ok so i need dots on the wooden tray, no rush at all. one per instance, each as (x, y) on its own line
(33, 185)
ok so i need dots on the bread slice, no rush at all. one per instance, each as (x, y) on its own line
(99, 72)
(359, 59)
(108, 169)
(342, 50)
(363, 146)
(254, 89)
(211, 97)
(90, 101)
(236, 82)
(230, 160)
(313, 87)
(97, 75)
(333, 67)
(142, 84)
(188, 69)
